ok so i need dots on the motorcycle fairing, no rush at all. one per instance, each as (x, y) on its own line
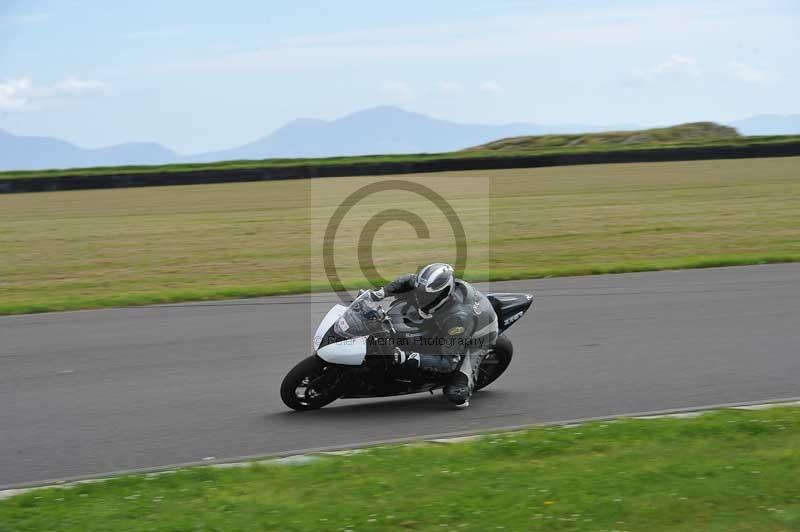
(327, 322)
(509, 307)
(348, 351)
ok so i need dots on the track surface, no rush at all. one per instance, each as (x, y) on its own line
(97, 391)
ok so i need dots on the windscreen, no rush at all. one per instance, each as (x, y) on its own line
(362, 318)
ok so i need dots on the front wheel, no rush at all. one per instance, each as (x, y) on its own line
(495, 362)
(311, 384)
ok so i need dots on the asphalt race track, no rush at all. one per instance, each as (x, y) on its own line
(98, 391)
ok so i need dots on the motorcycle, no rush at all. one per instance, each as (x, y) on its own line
(342, 368)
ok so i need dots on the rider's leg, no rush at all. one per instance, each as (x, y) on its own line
(438, 363)
(462, 383)
(459, 389)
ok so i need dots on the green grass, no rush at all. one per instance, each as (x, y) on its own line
(723, 471)
(54, 304)
(102, 248)
(546, 145)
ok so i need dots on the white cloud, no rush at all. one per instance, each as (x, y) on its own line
(13, 94)
(747, 73)
(399, 90)
(675, 66)
(21, 94)
(80, 87)
(491, 87)
(449, 89)
(686, 67)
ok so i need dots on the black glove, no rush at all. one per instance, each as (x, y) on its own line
(374, 314)
(377, 295)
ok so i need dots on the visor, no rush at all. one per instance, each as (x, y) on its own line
(435, 303)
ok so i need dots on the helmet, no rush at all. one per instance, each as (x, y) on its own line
(434, 285)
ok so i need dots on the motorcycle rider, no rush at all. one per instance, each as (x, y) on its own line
(458, 325)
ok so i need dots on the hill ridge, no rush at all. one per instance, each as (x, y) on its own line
(653, 136)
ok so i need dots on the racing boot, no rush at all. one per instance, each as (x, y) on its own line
(459, 389)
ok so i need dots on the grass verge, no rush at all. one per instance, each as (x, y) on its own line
(243, 292)
(727, 470)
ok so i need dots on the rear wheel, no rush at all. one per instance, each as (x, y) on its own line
(311, 384)
(495, 362)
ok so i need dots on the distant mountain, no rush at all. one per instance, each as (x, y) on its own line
(768, 125)
(33, 153)
(381, 130)
(132, 153)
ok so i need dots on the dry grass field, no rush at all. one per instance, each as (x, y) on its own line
(83, 249)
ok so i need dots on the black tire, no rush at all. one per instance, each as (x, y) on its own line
(306, 372)
(495, 362)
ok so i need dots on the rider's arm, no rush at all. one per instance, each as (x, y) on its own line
(401, 285)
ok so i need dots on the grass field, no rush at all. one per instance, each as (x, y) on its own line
(724, 471)
(99, 248)
(546, 145)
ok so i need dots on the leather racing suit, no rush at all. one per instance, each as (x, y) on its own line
(456, 337)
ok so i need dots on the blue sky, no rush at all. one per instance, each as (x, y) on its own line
(198, 75)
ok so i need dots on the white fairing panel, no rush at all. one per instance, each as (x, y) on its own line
(350, 352)
(333, 314)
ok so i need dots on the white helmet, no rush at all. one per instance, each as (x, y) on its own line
(434, 285)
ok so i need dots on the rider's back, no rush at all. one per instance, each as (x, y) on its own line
(467, 320)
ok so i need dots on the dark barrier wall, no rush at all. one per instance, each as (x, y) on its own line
(194, 177)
